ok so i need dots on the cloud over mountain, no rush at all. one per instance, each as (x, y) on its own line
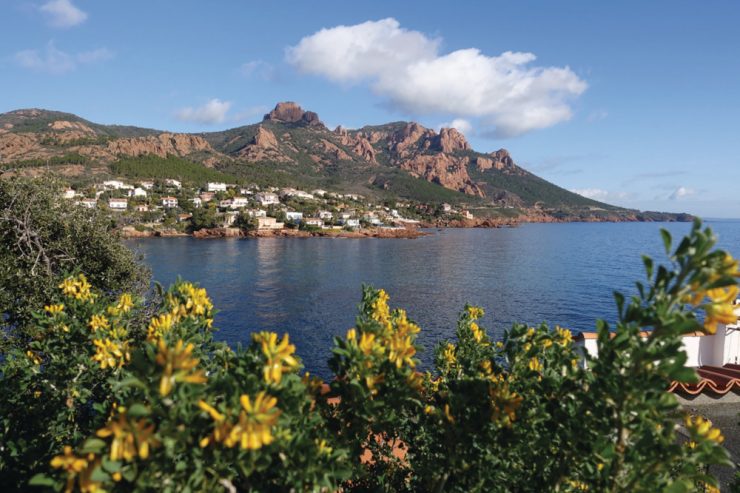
(212, 112)
(505, 93)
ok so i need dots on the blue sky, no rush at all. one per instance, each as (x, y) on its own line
(633, 103)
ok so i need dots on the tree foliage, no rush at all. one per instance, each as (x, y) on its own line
(45, 236)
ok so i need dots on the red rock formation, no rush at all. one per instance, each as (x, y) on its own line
(160, 145)
(290, 112)
(263, 147)
(357, 143)
(448, 171)
(450, 140)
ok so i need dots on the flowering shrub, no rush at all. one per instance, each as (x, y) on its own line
(108, 396)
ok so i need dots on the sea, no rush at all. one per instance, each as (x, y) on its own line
(561, 274)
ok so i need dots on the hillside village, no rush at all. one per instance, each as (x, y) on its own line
(168, 206)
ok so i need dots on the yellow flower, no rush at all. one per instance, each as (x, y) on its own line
(352, 335)
(726, 294)
(111, 354)
(130, 438)
(54, 309)
(449, 354)
(546, 343)
(279, 356)
(368, 344)
(730, 266)
(75, 465)
(448, 414)
(125, 303)
(578, 485)
(215, 415)
(98, 322)
(477, 332)
(77, 288)
(324, 448)
(254, 427)
(565, 336)
(178, 366)
(222, 428)
(718, 313)
(196, 303)
(499, 345)
(535, 365)
(475, 312)
(403, 326)
(428, 409)
(530, 332)
(504, 404)
(703, 428)
(159, 326)
(372, 380)
(402, 351)
(380, 311)
(69, 461)
(34, 357)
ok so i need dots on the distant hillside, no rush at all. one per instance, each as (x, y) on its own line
(292, 147)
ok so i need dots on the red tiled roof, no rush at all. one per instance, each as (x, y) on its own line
(716, 379)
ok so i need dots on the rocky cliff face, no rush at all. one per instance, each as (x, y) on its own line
(290, 112)
(160, 145)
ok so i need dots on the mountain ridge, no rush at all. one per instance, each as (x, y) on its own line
(292, 146)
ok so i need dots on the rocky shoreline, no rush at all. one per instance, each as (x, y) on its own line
(409, 233)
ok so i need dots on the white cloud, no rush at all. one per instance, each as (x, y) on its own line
(258, 68)
(52, 60)
(597, 116)
(460, 124)
(214, 111)
(62, 13)
(507, 94)
(681, 193)
(600, 194)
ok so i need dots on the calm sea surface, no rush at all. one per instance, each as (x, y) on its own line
(310, 287)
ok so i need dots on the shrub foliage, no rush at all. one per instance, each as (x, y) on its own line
(99, 401)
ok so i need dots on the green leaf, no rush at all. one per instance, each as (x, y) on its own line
(138, 410)
(41, 479)
(667, 240)
(93, 446)
(680, 486)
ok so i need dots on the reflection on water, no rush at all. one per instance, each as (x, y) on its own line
(309, 287)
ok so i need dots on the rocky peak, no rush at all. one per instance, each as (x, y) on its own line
(264, 139)
(290, 112)
(450, 140)
(500, 160)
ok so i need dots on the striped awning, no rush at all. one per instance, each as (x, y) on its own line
(713, 379)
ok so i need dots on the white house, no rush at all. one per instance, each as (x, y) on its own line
(239, 202)
(446, 207)
(173, 183)
(69, 193)
(113, 184)
(314, 221)
(294, 216)
(89, 203)
(298, 194)
(169, 202)
(372, 219)
(268, 223)
(267, 198)
(137, 192)
(147, 185)
(467, 215)
(256, 213)
(325, 215)
(230, 218)
(197, 202)
(352, 223)
(215, 187)
(118, 204)
(141, 208)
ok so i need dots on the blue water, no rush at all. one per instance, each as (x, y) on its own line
(310, 287)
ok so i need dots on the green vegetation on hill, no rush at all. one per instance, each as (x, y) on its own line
(69, 158)
(170, 167)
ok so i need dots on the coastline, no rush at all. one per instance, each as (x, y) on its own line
(408, 232)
